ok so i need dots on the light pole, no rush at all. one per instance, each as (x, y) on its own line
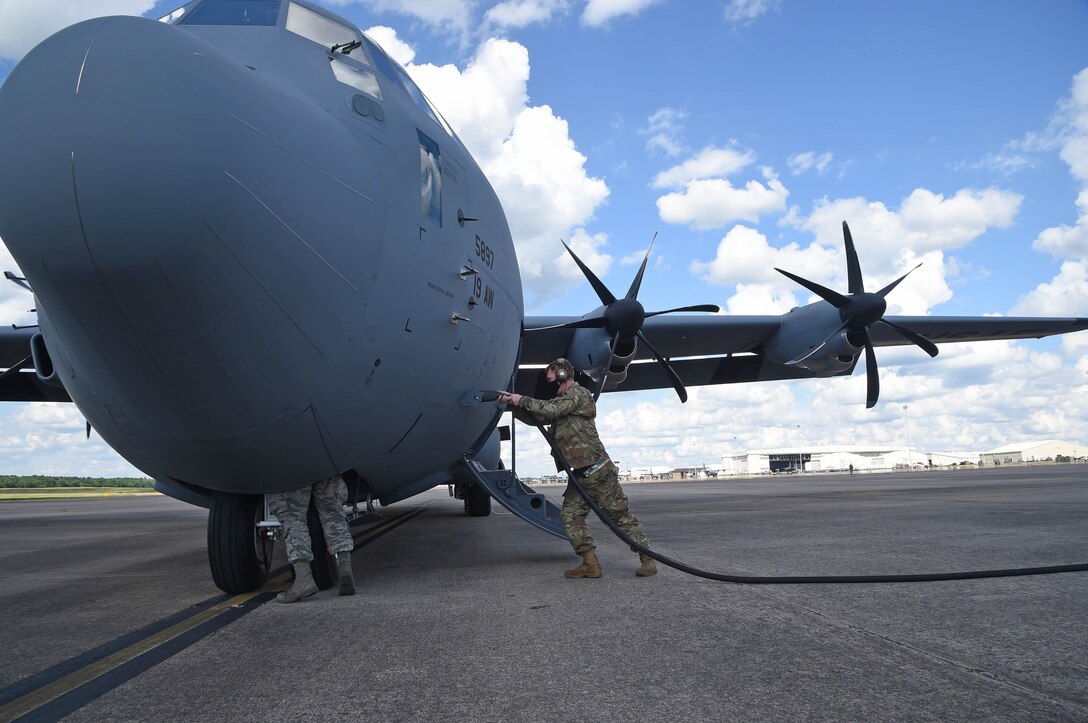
(906, 418)
(800, 455)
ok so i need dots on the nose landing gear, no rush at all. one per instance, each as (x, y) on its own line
(241, 538)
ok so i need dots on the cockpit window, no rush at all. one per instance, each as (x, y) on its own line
(232, 12)
(391, 70)
(317, 28)
(172, 17)
(358, 78)
(430, 178)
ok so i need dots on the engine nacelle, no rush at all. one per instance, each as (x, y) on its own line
(622, 354)
(835, 356)
(592, 353)
(801, 340)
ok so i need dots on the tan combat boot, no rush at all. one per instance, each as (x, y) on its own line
(590, 567)
(648, 566)
(343, 567)
(304, 585)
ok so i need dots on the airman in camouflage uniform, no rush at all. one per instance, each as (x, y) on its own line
(291, 508)
(572, 414)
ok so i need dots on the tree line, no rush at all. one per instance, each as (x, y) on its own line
(29, 481)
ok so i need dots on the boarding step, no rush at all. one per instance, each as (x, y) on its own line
(519, 498)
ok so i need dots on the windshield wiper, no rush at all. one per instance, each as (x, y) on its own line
(346, 48)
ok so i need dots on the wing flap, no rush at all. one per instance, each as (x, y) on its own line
(17, 384)
(23, 386)
(14, 345)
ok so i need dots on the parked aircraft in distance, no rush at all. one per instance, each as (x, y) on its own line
(260, 257)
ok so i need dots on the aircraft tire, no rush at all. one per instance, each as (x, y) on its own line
(232, 542)
(477, 501)
(323, 566)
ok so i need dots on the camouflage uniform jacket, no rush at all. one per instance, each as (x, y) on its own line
(572, 412)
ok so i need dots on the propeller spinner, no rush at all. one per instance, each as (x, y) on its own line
(623, 318)
(859, 311)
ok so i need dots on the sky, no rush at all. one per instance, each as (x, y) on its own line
(744, 132)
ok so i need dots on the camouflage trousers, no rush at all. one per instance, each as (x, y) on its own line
(604, 487)
(291, 508)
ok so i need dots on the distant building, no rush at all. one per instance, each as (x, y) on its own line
(1047, 450)
(838, 458)
(685, 473)
(645, 473)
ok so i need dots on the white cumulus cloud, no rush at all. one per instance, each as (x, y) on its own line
(1064, 295)
(448, 14)
(527, 153)
(809, 161)
(24, 24)
(664, 130)
(745, 12)
(708, 163)
(1071, 120)
(600, 12)
(715, 202)
(925, 221)
(522, 13)
(889, 243)
(15, 301)
(395, 48)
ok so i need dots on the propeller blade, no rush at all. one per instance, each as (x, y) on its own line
(603, 293)
(872, 377)
(832, 297)
(712, 308)
(927, 346)
(673, 376)
(853, 269)
(632, 293)
(892, 285)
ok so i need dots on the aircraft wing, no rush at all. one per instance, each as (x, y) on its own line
(17, 384)
(621, 346)
(678, 336)
(945, 329)
(721, 349)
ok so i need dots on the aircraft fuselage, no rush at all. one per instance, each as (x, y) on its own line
(247, 257)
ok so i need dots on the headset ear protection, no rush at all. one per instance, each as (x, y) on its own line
(561, 369)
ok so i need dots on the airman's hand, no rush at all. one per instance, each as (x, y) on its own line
(509, 398)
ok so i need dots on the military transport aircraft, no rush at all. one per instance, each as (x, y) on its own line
(260, 257)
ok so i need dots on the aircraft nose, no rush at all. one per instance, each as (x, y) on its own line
(108, 186)
(103, 133)
(37, 102)
(101, 140)
(181, 221)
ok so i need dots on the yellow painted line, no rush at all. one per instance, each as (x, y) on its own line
(52, 691)
(62, 686)
(73, 495)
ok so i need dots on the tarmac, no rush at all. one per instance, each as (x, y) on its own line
(111, 613)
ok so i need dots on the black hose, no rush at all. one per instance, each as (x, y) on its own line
(794, 580)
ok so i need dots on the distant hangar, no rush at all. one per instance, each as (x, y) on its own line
(837, 458)
(1019, 452)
